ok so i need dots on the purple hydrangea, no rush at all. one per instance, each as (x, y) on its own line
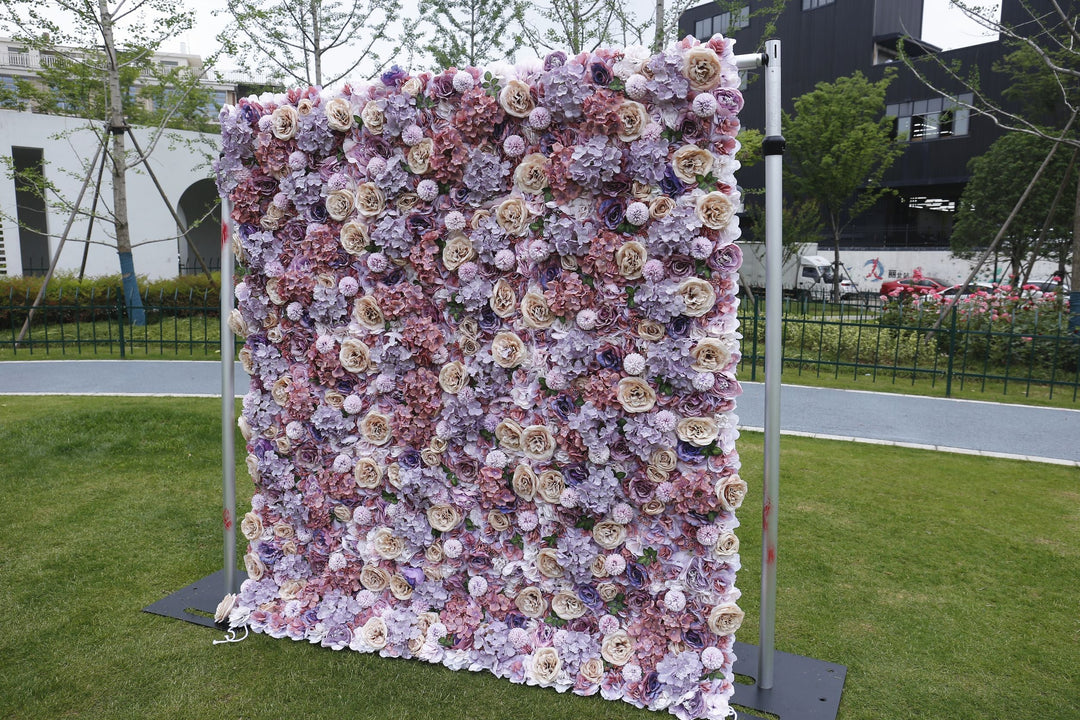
(674, 233)
(314, 135)
(392, 236)
(484, 175)
(563, 91)
(595, 161)
(394, 176)
(647, 161)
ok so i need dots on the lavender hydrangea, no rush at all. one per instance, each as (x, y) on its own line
(394, 177)
(392, 236)
(668, 85)
(659, 301)
(670, 359)
(484, 175)
(399, 111)
(563, 91)
(331, 420)
(488, 239)
(674, 233)
(573, 351)
(681, 672)
(595, 161)
(569, 236)
(647, 161)
(315, 135)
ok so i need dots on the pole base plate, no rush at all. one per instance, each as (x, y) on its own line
(197, 602)
(803, 688)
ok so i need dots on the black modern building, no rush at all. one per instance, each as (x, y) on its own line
(826, 39)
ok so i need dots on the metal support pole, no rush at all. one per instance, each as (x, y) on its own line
(773, 150)
(228, 402)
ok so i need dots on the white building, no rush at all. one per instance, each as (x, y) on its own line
(62, 147)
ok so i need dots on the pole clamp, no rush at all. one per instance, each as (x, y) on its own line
(773, 145)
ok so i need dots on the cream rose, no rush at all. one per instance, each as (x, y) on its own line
(386, 544)
(598, 566)
(633, 119)
(702, 68)
(342, 513)
(531, 174)
(355, 355)
(304, 106)
(551, 485)
(508, 434)
(725, 619)
(443, 518)
(284, 122)
(636, 395)
(367, 312)
(374, 578)
(698, 431)
(400, 587)
(375, 427)
(453, 377)
(251, 526)
(617, 648)
(727, 545)
(653, 507)
(698, 296)
(547, 562)
(535, 312)
(513, 216)
(710, 355)
(469, 327)
(393, 475)
(660, 207)
(498, 521)
(608, 534)
(284, 530)
(367, 473)
(370, 200)
(221, 613)
(434, 552)
(458, 250)
(281, 389)
(516, 99)
(651, 330)
(690, 161)
(339, 115)
(715, 210)
(503, 299)
(630, 258)
(469, 346)
(291, 589)
(273, 292)
(608, 591)
(430, 458)
(664, 459)
(373, 117)
(507, 350)
(419, 156)
(546, 665)
(567, 605)
(412, 86)
(592, 670)
(355, 237)
(237, 324)
(524, 482)
(334, 399)
(254, 566)
(537, 443)
(530, 602)
(730, 491)
(374, 633)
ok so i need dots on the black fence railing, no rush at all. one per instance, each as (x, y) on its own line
(99, 324)
(979, 346)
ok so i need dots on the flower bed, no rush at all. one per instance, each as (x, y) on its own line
(490, 322)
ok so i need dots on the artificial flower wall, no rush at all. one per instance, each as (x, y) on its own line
(490, 322)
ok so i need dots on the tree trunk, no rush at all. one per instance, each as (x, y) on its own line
(316, 42)
(117, 125)
(836, 264)
(658, 41)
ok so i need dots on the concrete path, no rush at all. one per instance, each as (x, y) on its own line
(985, 428)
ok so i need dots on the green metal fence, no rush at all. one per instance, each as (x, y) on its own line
(894, 342)
(97, 324)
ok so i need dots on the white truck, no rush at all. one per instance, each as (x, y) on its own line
(805, 273)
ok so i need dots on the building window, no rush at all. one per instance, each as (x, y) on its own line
(814, 4)
(940, 117)
(724, 23)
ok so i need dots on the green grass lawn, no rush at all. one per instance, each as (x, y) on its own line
(946, 583)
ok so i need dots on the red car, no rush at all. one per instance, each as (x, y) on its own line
(913, 286)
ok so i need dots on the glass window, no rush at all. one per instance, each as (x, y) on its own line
(703, 29)
(961, 117)
(903, 128)
(812, 4)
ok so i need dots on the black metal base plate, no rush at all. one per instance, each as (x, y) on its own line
(202, 596)
(803, 688)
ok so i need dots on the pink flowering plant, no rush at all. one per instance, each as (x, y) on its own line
(490, 327)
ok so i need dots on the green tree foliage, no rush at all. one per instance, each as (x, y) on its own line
(998, 177)
(839, 147)
(469, 33)
(288, 40)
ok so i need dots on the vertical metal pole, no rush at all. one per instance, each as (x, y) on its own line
(228, 403)
(773, 149)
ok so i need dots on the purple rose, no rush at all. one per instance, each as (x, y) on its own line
(636, 575)
(393, 77)
(599, 73)
(726, 259)
(554, 60)
(671, 185)
(575, 474)
(612, 212)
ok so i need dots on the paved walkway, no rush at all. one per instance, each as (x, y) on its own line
(985, 428)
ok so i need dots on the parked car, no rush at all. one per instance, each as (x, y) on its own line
(913, 286)
(1043, 288)
(971, 289)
